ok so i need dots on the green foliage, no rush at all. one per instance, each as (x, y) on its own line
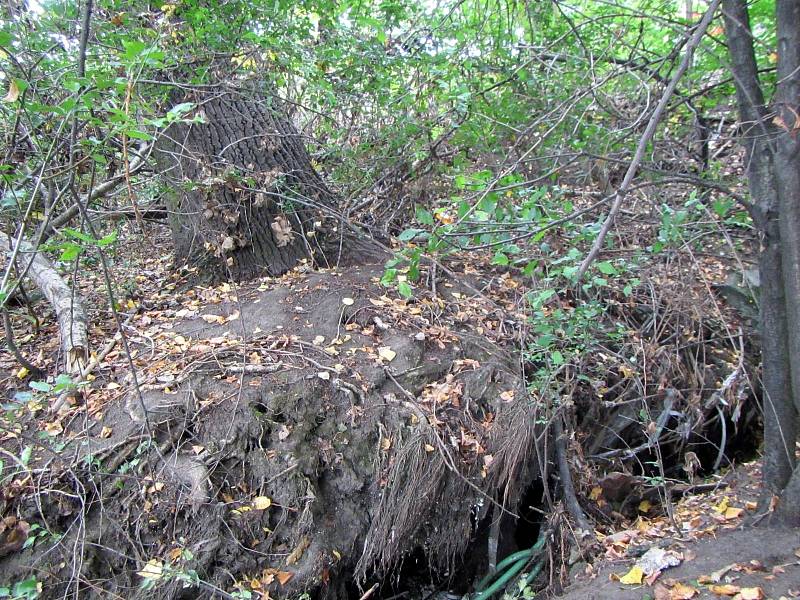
(27, 589)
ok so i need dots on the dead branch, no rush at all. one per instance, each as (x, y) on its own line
(66, 304)
(648, 134)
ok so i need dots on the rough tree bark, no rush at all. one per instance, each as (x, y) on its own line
(772, 169)
(245, 199)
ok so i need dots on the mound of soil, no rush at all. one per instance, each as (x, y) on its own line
(301, 434)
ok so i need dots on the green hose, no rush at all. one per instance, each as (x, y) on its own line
(518, 560)
(502, 565)
(534, 572)
(501, 583)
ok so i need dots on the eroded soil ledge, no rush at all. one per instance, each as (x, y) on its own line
(310, 432)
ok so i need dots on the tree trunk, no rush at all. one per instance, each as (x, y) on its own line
(772, 169)
(787, 182)
(245, 199)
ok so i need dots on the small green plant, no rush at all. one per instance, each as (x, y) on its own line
(27, 589)
(38, 534)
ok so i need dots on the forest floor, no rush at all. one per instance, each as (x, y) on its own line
(717, 554)
(327, 328)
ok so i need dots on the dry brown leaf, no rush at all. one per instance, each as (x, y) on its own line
(681, 591)
(282, 231)
(296, 554)
(752, 593)
(661, 592)
(727, 589)
(284, 577)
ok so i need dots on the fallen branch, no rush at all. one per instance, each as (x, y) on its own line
(66, 304)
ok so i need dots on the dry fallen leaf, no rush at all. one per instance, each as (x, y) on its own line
(13, 92)
(386, 353)
(733, 513)
(261, 503)
(284, 577)
(727, 589)
(296, 555)
(152, 570)
(753, 593)
(282, 231)
(681, 591)
(633, 577)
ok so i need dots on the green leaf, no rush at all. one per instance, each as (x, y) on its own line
(70, 252)
(109, 239)
(28, 588)
(499, 259)
(25, 457)
(405, 289)
(137, 135)
(389, 275)
(557, 358)
(423, 216)
(409, 234)
(606, 268)
(40, 386)
(79, 235)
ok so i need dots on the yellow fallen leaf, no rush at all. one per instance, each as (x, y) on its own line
(596, 492)
(753, 593)
(733, 513)
(22, 373)
(105, 433)
(261, 503)
(633, 577)
(645, 506)
(152, 570)
(722, 506)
